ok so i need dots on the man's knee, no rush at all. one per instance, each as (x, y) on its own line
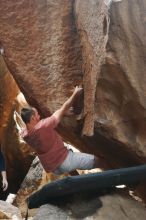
(99, 163)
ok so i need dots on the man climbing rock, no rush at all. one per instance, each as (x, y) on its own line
(3, 172)
(41, 135)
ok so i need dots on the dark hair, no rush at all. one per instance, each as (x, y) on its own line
(26, 114)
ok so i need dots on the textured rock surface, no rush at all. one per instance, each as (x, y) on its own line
(8, 93)
(121, 94)
(118, 40)
(8, 211)
(52, 45)
(113, 207)
(91, 18)
(47, 49)
(16, 153)
(34, 180)
(30, 184)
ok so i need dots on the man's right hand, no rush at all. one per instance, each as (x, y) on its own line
(65, 107)
(78, 90)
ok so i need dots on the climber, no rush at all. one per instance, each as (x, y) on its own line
(41, 135)
(3, 172)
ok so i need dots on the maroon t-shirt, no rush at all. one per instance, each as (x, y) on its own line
(47, 143)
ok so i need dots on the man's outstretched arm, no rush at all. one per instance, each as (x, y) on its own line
(65, 107)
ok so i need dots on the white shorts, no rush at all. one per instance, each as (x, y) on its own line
(73, 161)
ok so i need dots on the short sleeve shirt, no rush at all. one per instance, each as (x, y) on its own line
(48, 145)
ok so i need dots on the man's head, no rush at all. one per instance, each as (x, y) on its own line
(30, 115)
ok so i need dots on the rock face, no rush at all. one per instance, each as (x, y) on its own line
(8, 211)
(31, 183)
(6, 97)
(93, 24)
(18, 158)
(121, 86)
(118, 42)
(16, 153)
(34, 180)
(47, 49)
(50, 46)
(113, 207)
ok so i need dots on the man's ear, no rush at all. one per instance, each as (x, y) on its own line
(32, 118)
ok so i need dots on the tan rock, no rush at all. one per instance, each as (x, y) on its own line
(33, 181)
(30, 184)
(91, 17)
(48, 60)
(51, 46)
(118, 97)
(16, 153)
(8, 93)
(8, 211)
(114, 46)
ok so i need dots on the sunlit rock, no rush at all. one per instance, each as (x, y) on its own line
(8, 211)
